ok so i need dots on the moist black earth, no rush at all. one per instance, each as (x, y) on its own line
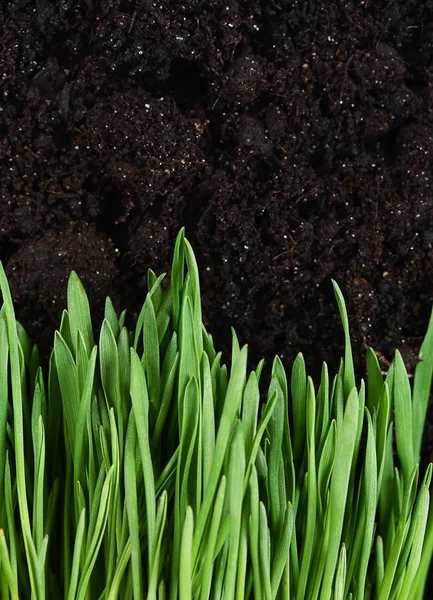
(292, 139)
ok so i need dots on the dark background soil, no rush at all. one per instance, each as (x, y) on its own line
(294, 140)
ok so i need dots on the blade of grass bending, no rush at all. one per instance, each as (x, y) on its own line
(259, 370)
(350, 525)
(208, 346)
(424, 568)
(168, 360)
(281, 555)
(132, 507)
(241, 577)
(235, 493)
(338, 396)
(98, 420)
(125, 527)
(208, 564)
(230, 410)
(326, 465)
(121, 564)
(370, 486)
(26, 404)
(294, 545)
(208, 420)
(223, 533)
(220, 569)
(78, 546)
(17, 402)
(82, 361)
(80, 505)
(65, 329)
(318, 566)
(195, 480)
(167, 399)
(340, 577)
(346, 438)
(114, 524)
(79, 313)
(279, 372)
(276, 432)
(39, 483)
(387, 491)
(189, 467)
(98, 534)
(299, 397)
(265, 418)
(189, 359)
(419, 517)
(163, 316)
(161, 521)
(380, 564)
(68, 524)
(10, 520)
(110, 374)
(322, 423)
(157, 294)
(195, 295)
(167, 474)
(68, 381)
(54, 418)
(421, 387)
(6, 567)
(140, 320)
(235, 345)
(184, 476)
(122, 318)
(264, 553)
(250, 409)
(140, 405)
(150, 360)
(177, 276)
(309, 538)
(374, 380)
(35, 365)
(4, 360)
(403, 417)
(221, 391)
(215, 373)
(83, 420)
(124, 373)
(111, 317)
(355, 539)
(399, 538)
(254, 533)
(382, 432)
(349, 371)
(185, 564)
(4, 587)
(25, 344)
(161, 591)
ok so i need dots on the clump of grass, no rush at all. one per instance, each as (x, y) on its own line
(142, 467)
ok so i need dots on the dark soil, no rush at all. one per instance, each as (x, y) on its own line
(293, 139)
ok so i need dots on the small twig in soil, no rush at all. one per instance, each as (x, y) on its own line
(63, 194)
(285, 252)
(134, 15)
(345, 76)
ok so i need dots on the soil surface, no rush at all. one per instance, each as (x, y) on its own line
(293, 139)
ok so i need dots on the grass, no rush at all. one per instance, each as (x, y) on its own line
(142, 467)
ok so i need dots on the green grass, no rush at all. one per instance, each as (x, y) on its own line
(141, 466)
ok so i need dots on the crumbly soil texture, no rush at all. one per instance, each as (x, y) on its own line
(293, 140)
